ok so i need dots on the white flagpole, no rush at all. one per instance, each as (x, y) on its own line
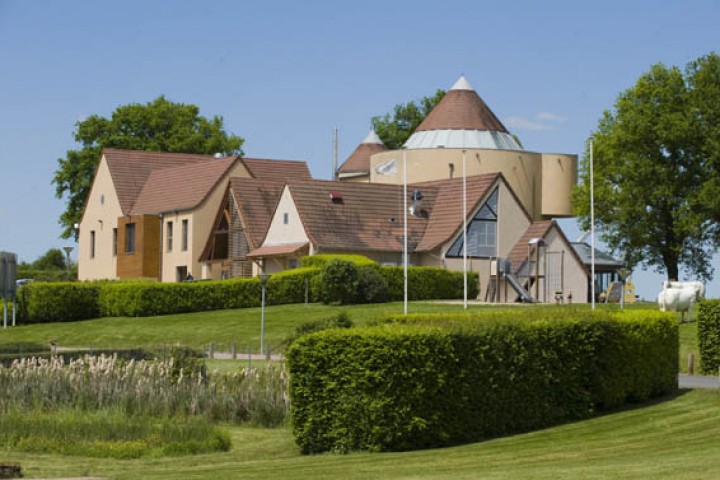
(405, 235)
(592, 229)
(465, 282)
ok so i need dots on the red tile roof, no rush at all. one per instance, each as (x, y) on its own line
(461, 110)
(181, 188)
(256, 200)
(359, 160)
(277, 169)
(130, 170)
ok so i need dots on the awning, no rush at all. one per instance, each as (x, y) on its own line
(278, 250)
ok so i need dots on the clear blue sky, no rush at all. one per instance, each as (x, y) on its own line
(284, 73)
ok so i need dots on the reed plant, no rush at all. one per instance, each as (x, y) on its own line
(145, 388)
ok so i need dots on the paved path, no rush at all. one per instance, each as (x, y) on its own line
(697, 381)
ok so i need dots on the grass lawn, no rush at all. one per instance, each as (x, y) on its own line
(677, 438)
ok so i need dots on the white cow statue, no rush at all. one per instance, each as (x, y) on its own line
(680, 297)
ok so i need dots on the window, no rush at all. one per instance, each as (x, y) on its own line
(169, 236)
(130, 238)
(114, 245)
(481, 232)
(286, 218)
(92, 243)
(184, 235)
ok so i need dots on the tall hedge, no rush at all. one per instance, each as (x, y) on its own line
(426, 384)
(57, 302)
(708, 334)
(428, 283)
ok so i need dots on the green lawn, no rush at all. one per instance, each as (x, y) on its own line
(677, 438)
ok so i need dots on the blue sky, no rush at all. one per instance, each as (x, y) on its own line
(283, 74)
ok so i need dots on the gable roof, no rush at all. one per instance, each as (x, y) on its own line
(362, 216)
(256, 200)
(519, 253)
(181, 188)
(359, 160)
(130, 169)
(446, 217)
(285, 169)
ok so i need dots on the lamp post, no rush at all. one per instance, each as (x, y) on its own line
(263, 282)
(68, 250)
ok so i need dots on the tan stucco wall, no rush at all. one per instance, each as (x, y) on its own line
(280, 233)
(559, 175)
(522, 170)
(200, 224)
(100, 216)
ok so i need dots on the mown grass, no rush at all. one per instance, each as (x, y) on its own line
(677, 438)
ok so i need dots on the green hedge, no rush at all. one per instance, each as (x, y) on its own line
(708, 331)
(319, 261)
(437, 381)
(57, 302)
(428, 283)
(70, 301)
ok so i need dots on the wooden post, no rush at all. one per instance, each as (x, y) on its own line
(211, 351)
(691, 364)
(233, 349)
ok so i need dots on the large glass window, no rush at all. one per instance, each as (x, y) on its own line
(130, 238)
(481, 232)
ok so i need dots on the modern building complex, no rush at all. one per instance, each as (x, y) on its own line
(460, 178)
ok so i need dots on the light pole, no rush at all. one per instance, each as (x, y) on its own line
(68, 250)
(263, 282)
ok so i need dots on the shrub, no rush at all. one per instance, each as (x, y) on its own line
(292, 286)
(708, 331)
(339, 282)
(57, 302)
(341, 320)
(319, 261)
(438, 380)
(428, 283)
(371, 287)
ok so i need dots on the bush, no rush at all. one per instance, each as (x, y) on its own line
(339, 282)
(436, 380)
(708, 331)
(341, 320)
(319, 261)
(428, 283)
(371, 287)
(57, 302)
(292, 286)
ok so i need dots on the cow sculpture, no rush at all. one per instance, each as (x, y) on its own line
(680, 297)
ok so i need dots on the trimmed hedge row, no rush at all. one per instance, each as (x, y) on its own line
(436, 381)
(320, 260)
(708, 332)
(70, 301)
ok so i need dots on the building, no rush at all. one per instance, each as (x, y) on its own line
(164, 216)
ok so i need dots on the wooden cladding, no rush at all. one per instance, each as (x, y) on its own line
(143, 259)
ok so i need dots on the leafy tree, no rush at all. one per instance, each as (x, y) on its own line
(53, 259)
(160, 125)
(656, 170)
(395, 129)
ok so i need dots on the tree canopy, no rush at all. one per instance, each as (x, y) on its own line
(656, 170)
(395, 129)
(160, 125)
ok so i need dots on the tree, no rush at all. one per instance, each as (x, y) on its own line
(656, 170)
(53, 259)
(160, 125)
(395, 129)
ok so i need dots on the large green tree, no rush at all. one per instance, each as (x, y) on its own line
(394, 129)
(656, 170)
(160, 125)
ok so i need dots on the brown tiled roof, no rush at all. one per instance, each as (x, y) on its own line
(461, 110)
(277, 169)
(519, 253)
(256, 200)
(272, 250)
(446, 216)
(359, 160)
(130, 169)
(367, 216)
(182, 187)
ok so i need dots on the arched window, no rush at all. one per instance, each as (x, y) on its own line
(481, 232)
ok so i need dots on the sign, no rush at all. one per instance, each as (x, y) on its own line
(8, 274)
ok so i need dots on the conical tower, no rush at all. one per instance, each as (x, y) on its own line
(462, 120)
(357, 165)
